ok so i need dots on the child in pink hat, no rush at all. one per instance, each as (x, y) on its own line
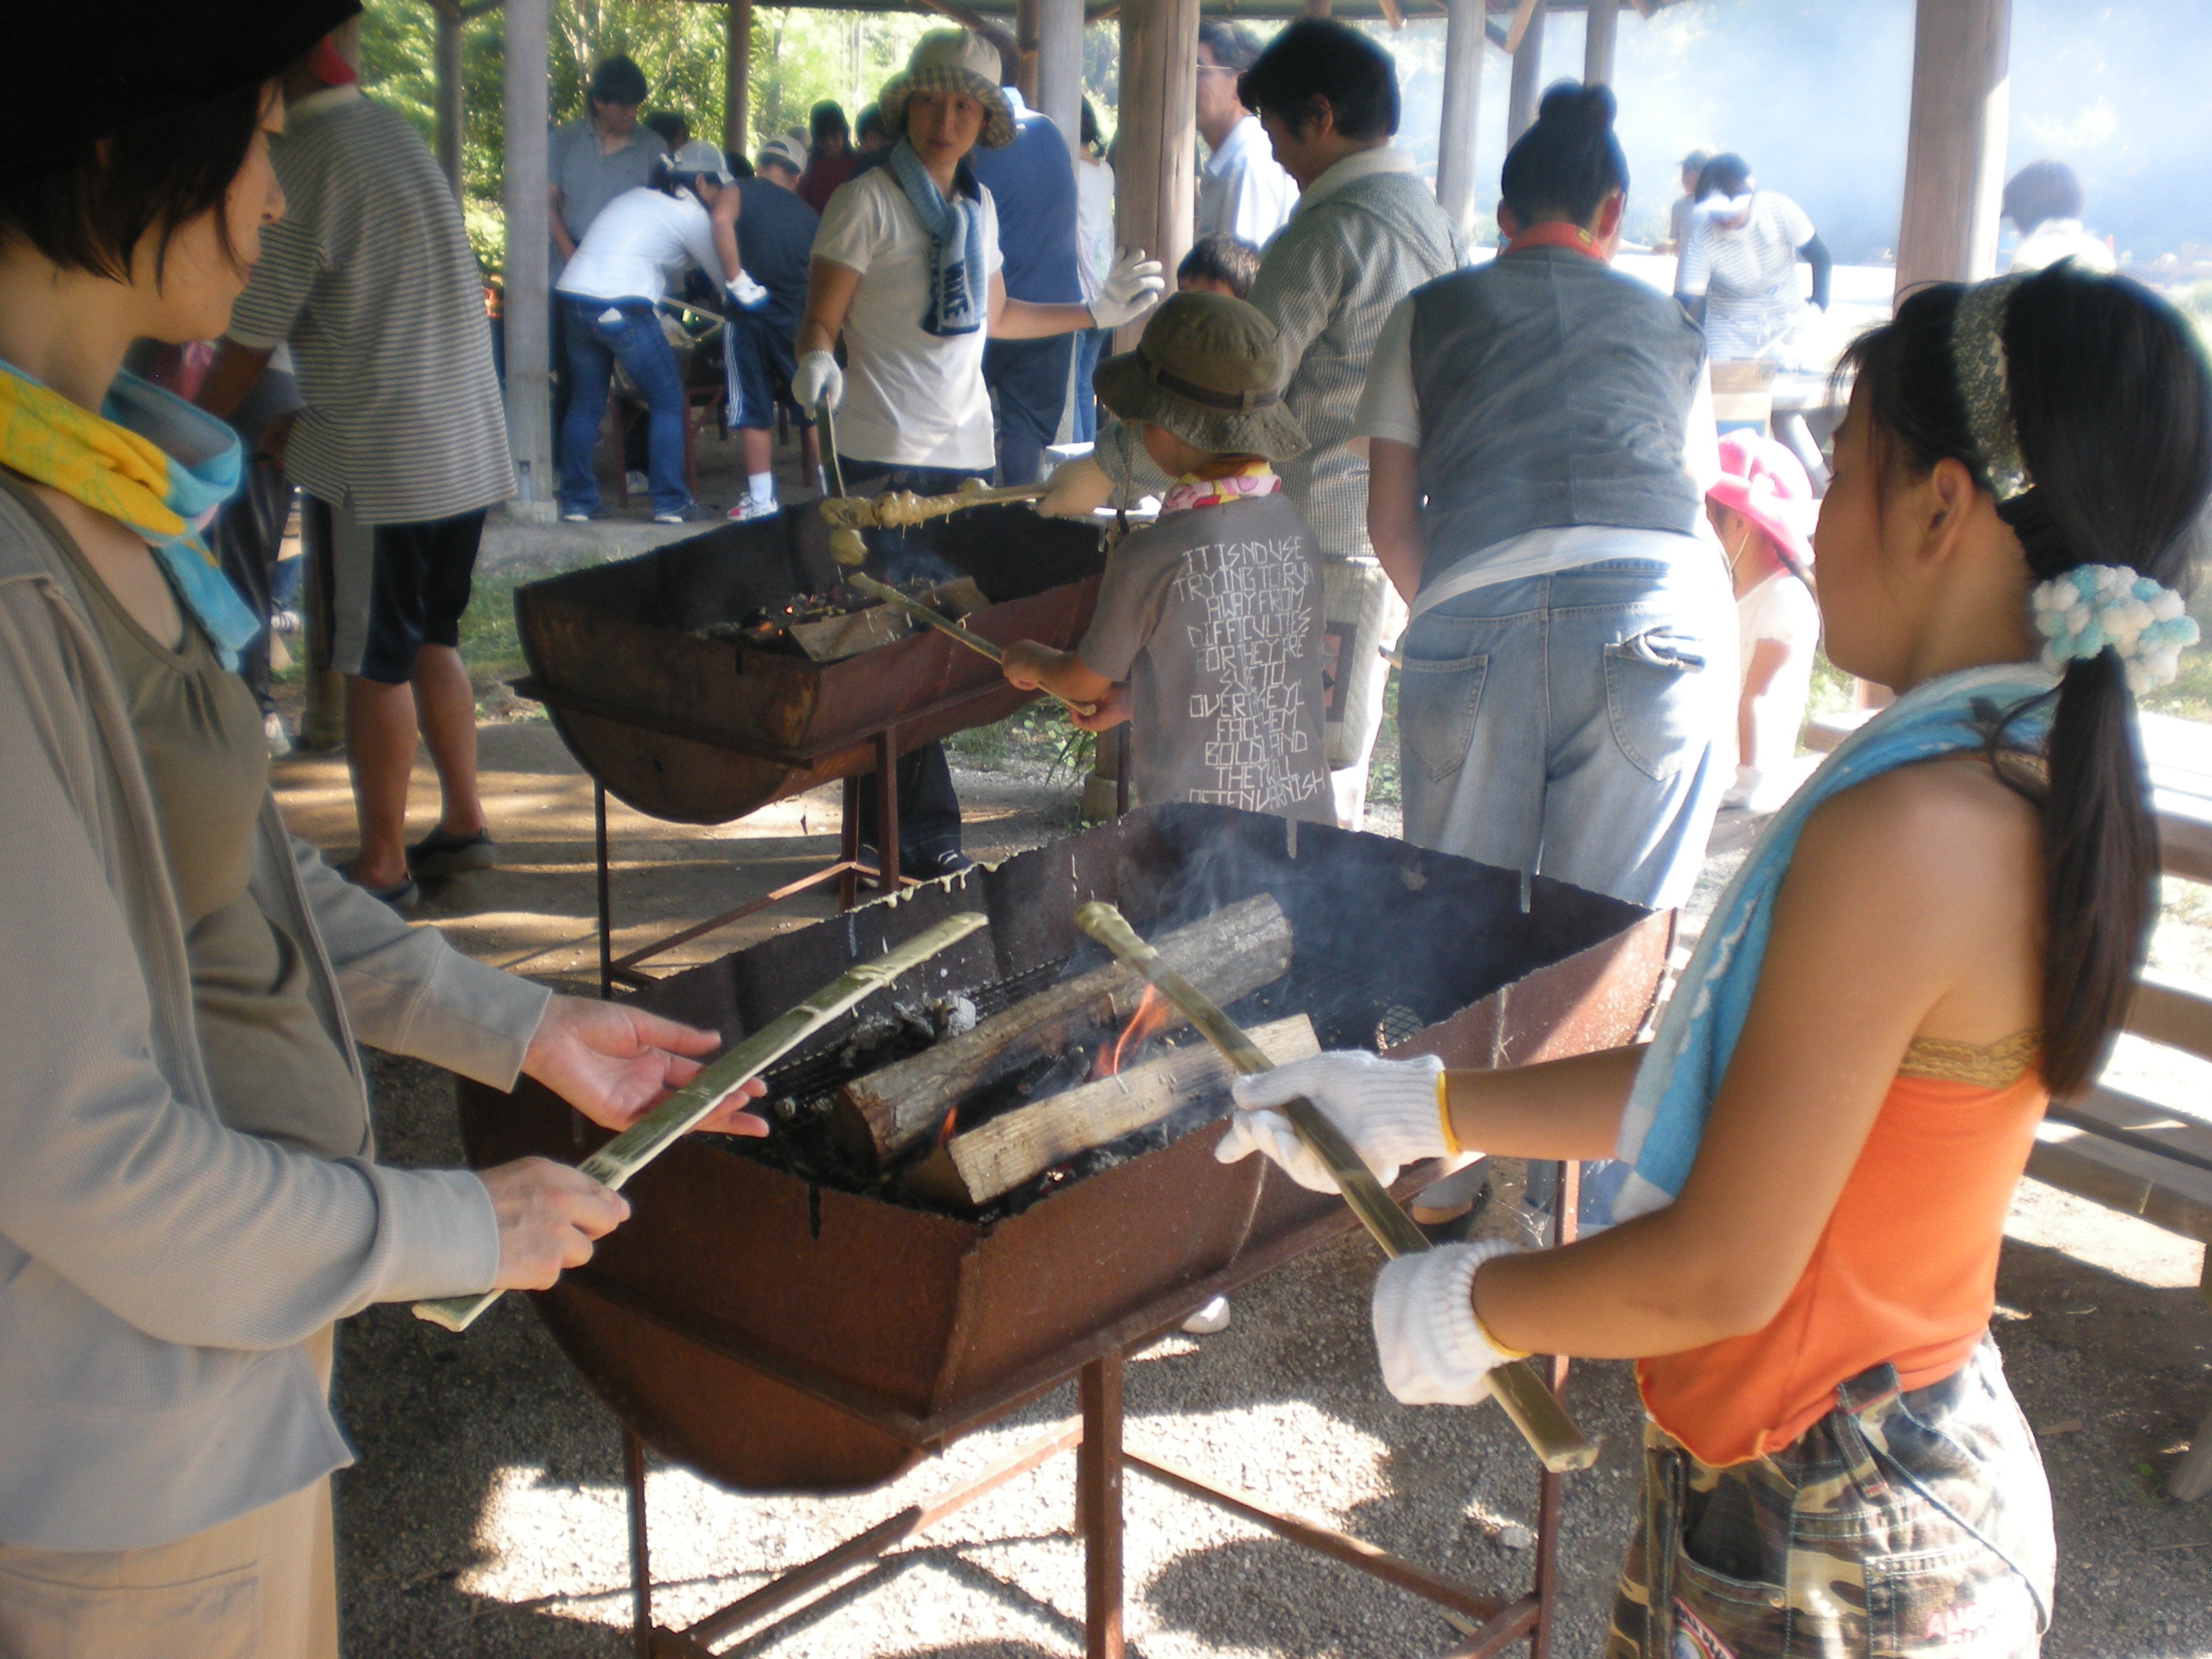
(1762, 509)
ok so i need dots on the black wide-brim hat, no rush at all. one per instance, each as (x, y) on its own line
(81, 69)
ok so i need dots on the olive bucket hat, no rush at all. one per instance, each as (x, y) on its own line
(951, 60)
(1209, 369)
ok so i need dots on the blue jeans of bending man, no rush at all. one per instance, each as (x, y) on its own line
(1575, 725)
(599, 333)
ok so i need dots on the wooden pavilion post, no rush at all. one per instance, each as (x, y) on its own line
(1954, 158)
(737, 76)
(528, 274)
(1464, 39)
(1060, 66)
(1602, 25)
(1528, 84)
(1028, 25)
(450, 25)
(1156, 208)
(1317, 7)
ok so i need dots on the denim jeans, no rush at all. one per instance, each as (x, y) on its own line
(1090, 345)
(1028, 382)
(1575, 725)
(599, 333)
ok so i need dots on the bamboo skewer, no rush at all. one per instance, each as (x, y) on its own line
(968, 637)
(1535, 1411)
(614, 1164)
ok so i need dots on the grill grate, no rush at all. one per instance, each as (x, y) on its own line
(809, 1081)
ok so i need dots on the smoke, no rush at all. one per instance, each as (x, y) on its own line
(1816, 94)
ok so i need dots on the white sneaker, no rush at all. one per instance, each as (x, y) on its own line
(637, 483)
(575, 518)
(672, 518)
(273, 733)
(749, 509)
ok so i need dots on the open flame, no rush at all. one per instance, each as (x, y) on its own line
(1146, 1018)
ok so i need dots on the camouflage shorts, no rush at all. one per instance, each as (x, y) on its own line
(1896, 1526)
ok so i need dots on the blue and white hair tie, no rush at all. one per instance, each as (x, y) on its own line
(2095, 607)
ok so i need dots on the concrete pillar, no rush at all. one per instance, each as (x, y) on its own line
(449, 91)
(1601, 26)
(1527, 85)
(1156, 205)
(528, 275)
(1954, 159)
(1060, 66)
(1464, 38)
(737, 77)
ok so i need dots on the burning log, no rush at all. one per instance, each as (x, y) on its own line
(974, 1168)
(1231, 953)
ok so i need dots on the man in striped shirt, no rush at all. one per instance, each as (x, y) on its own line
(401, 447)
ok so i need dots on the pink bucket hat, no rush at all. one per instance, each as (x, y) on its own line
(1762, 480)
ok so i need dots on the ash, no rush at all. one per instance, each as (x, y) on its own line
(770, 627)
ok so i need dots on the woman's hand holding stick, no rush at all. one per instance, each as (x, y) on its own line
(614, 1164)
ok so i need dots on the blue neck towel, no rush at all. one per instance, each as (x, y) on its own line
(959, 297)
(1682, 1072)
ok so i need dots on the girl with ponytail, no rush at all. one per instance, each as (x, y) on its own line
(1935, 937)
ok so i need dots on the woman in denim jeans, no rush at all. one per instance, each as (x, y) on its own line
(1540, 439)
(1936, 935)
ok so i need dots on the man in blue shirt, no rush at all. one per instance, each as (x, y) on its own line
(775, 234)
(1033, 182)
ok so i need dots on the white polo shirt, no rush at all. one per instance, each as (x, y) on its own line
(912, 399)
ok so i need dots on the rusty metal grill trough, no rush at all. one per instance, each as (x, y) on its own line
(701, 731)
(776, 1334)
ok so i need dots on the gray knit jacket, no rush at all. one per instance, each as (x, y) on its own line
(159, 1271)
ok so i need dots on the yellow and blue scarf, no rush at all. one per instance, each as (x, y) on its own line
(148, 459)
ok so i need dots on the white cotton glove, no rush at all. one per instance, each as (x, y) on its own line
(1131, 288)
(748, 293)
(817, 377)
(1387, 1108)
(1432, 1348)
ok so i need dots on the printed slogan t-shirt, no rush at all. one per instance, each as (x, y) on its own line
(1214, 618)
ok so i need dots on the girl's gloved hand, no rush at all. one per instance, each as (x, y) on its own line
(818, 376)
(1433, 1349)
(1389, 1109)
(1131, 288)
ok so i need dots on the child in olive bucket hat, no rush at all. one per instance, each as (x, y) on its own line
(1207, 637)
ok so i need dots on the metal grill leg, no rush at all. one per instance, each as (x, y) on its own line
(887, 825)
(849, 843)
(606, 896)
(1098, 1485)
(641, 1565)
(1566, 1203)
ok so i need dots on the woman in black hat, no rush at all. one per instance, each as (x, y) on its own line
(188, 1194)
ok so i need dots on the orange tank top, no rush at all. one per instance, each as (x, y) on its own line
(1904, 1271)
